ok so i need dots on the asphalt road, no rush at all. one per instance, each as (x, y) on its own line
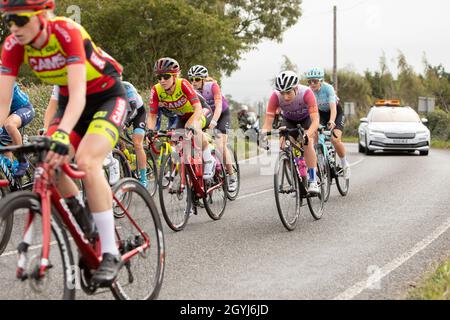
(372, 244)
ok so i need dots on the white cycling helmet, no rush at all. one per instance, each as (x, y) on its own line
(315, 73)
(198, 71)
(244, 107)
(286, 80)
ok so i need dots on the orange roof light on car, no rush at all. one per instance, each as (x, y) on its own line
(389, 103)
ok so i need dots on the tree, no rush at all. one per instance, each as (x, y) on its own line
(208, 32)
(409, 85)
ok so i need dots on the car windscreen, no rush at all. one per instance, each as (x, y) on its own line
(394, 115)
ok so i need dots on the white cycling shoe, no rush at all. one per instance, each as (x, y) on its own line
(313, 187)
(346, 171)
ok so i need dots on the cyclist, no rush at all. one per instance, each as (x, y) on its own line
(91, 108)
(171, 119)
(298, 106)
(210, 90)
(178, 95)
(21, 114)
(137, 116)
(330, 111)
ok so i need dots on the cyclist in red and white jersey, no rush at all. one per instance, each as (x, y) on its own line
(298, 106)
(91, 109)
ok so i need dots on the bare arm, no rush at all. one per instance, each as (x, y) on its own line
(151, 122)
(50, 112)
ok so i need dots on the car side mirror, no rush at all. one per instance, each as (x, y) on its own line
(364, 120)
(424, 121)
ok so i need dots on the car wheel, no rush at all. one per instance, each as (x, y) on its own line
(360, 148)
(423, 153)
(368, 152)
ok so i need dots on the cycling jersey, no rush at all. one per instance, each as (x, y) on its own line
(298, 109)
(324, 96)
(20, 100)
(209, 90)
(180, 102)
(133, 95)
(68, 43)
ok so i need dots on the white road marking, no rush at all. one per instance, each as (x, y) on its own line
(359, 287)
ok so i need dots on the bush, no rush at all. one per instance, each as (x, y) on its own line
(39, 97)
(439, 125)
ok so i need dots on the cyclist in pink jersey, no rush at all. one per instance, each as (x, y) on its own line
(210, 90)
(298, 106)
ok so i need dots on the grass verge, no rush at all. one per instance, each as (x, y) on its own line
(434, 286)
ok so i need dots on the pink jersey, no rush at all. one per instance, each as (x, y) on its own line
(299, 109)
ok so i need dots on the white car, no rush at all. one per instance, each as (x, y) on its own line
(393, 128)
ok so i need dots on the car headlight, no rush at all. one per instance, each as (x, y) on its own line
(422, 132)
(371, 132)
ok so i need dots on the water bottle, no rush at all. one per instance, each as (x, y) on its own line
(302, 166)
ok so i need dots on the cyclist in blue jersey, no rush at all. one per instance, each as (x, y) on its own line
(137, 116)
(330, 111)
(20, 115)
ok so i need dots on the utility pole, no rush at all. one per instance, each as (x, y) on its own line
(335, 79)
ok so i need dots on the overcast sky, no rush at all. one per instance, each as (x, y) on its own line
(366, 29)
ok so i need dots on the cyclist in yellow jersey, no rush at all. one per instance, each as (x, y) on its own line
(178, 95)
(91, 109)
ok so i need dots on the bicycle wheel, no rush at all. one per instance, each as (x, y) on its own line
(325, 170)
(152, 174)
(60, 280)
(232, 152)
(6, 225)
(142, 275)
(316, 202)
(175, 201)
(287, 194)
(215, 200)
(342, 184)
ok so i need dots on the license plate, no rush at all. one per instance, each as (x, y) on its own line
(400, 140)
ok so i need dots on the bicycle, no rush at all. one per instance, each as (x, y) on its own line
(234, 163)
(328, 157)
(184, 172)
(291, 181)
(138, 228)
(128, 163)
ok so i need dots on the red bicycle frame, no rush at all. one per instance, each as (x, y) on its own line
(192, 165)
(45, 188)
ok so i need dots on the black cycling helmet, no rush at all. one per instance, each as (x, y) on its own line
(34, 5)
(167, 65)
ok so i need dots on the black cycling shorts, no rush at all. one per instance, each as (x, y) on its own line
(340, 118)
(104, 113)
(290, 124)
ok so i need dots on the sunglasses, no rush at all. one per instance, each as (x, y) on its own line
(20, 19)
(315, 81)
(196, 79)
(165, 76)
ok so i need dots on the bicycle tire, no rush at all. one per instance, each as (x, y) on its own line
(219, 177)
(317, 213)
(164, 192)
(285, 165)
(322, 161)
(153, 222)
(342, 184)
(6, 226)
(30, 201)
(152, 174)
